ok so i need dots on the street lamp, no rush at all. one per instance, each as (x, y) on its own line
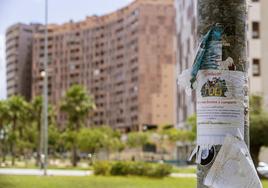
(44, 137)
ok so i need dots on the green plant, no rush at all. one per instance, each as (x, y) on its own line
(76, 104)
(137, 139)
(125, 168)
(138, 168)
(18, 115)
(160, 170)
(102, 168)
(120, 168)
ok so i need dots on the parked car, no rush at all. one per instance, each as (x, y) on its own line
(263, 169)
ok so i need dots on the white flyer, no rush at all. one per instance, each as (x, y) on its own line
(233, 167)
(220, 105)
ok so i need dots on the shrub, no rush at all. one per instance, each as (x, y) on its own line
(132, 168)
(160, 170)
(120, 168)
(102, 168)
(139, 168)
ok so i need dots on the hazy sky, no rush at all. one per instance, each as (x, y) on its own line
(26, 11)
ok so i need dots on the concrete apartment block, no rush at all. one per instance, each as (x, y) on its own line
(186, 49)
(126, 60)
(19, 39)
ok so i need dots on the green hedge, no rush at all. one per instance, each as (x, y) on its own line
(102, 168)
(124, 168)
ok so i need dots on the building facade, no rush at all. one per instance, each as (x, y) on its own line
(125, 59)
(264, 49)
(258, 46)
(19, 39)
(186, 48)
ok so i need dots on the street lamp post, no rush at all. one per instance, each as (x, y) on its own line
(223, 25)
(44, 139)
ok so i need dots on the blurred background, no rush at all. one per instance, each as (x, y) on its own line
(113, 99)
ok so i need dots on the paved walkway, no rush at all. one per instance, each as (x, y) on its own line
(38, 172)
(181, 175)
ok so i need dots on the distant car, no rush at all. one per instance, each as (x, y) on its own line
(263, 169)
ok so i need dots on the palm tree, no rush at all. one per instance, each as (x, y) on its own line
(18, 110)
(3, 119)
(36, 116)
(3, 113)
(36, 113)
(76, 104)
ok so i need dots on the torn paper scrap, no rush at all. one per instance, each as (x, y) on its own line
(184, 81)
(233, 167)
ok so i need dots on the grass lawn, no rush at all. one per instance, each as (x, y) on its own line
(93, 182)
(184, 170)
(96, 182)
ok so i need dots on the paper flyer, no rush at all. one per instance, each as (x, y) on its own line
(220, 107)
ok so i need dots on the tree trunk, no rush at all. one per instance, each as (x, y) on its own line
(74, 156)
(21, 152)
(12, 154)
(4, 156)
(38, 148)
(255, 151)
(231, 15)
(12, 145)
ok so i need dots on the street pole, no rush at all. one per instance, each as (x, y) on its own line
(44, 157)
(231, 15)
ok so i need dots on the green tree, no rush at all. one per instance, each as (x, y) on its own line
(175, 135)
(191, 123)
(96, 138)
(137, 139)
(3, 128)
(90, 140)
(53, 139)
(36, 113)
(256, 102)
(36, 118)
(18, 111)
(26, 142)
(169, 136)
(258, 125)
(3, 113)
(76, 104)
(111, 140)
(258, 134)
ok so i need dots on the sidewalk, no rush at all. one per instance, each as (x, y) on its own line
(38, 172)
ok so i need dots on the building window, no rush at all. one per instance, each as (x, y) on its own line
(256, 67)
(255, 30)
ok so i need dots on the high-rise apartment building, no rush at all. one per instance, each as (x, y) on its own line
(186, 19)
(264, 49)
(125, 59)
(258, 47)
(19, 39)
(186, 47)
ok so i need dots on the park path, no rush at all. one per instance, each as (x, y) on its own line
(50, 172)
(38, 172)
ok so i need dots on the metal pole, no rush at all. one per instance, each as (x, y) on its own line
(232, 16)
(45, 100)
